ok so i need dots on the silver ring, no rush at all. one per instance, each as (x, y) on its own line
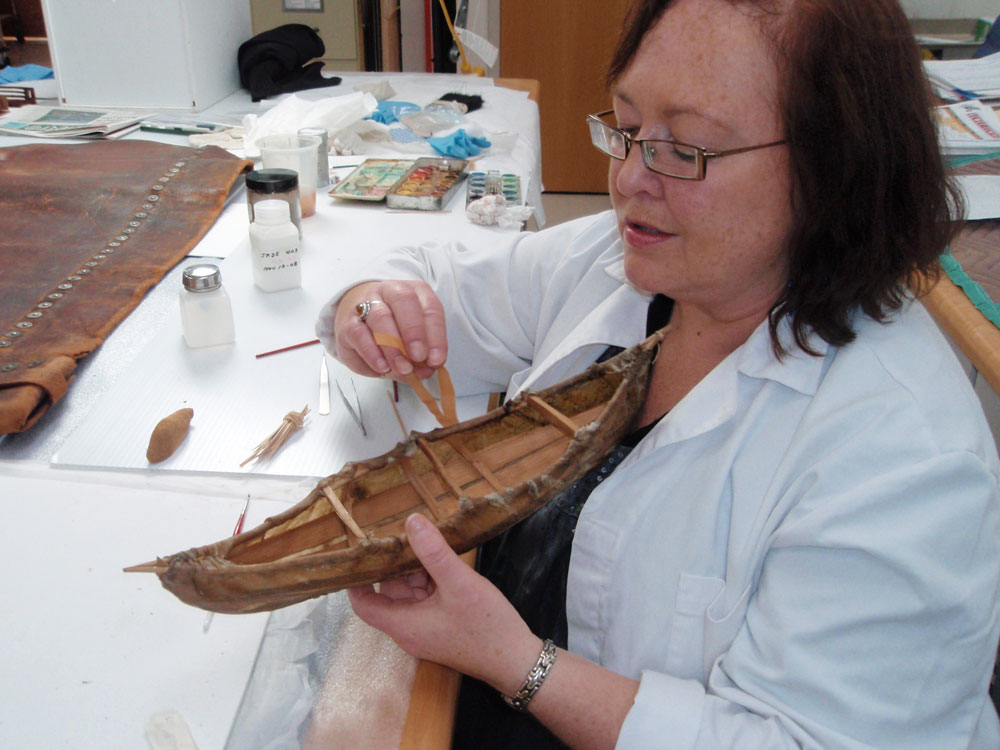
(364, 308)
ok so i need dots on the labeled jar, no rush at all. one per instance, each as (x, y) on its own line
(206, 312)
(274, 184)
(274, 248)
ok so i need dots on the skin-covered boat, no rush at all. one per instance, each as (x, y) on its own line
(473, 479)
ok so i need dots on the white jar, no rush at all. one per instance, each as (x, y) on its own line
(274, 247)
(206, 312)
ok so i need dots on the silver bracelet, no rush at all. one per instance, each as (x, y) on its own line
(535, 678)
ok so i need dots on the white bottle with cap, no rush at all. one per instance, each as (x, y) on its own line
(274, 246)
(206, 312)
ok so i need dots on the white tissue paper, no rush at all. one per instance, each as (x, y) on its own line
(493, 209)
(293, 113)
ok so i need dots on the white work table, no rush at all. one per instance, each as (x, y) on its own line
(92, 653)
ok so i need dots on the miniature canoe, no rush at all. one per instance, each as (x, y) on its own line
(474, 480)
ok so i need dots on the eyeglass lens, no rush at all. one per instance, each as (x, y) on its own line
(665, 157)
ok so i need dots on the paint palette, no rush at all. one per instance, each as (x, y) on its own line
(373, 180)
(493, 183)
(428, 185)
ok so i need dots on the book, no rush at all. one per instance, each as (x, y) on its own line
(40, 121)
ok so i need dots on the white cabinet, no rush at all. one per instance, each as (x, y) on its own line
(163, 54)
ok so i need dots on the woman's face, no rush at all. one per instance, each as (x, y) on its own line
(703, 75)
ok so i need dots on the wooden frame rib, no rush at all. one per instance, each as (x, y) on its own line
(439, 467)
(342, 514)
(552, 415)
(482, 469)
(421, 489)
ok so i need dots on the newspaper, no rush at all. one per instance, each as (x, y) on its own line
(63, 122)
(969, 127)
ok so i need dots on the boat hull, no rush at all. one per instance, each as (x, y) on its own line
(462, 477)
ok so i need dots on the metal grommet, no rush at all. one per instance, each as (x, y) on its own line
(141, 214)
(100, 257)
(56, 295)
(148, 206)
(8, 367)
(24, 324)
(158, 187)
(83, 271)
(12, 334)
(44, 305)
(135, 223)
(114, 244)
(4, 343)
(122, 238)
(128, 230)
(152, 198)
(108, 250)
(74, 278)
(89, 264)
(163, 179)
(179, 163)
(64, 287)
(34, 315)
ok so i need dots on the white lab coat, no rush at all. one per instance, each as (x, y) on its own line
(803, 553)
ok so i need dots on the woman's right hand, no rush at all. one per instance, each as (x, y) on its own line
(408, 310)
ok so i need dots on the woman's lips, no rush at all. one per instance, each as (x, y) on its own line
(640, 235)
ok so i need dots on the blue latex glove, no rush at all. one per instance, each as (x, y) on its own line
(389, 111)
(29, 72)
(459, 144)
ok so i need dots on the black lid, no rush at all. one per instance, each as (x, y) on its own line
(272, 180)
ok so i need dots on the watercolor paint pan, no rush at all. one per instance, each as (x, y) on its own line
(428, 185)
(373, 180)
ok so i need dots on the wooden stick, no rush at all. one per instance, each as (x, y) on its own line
(342, 514)
(396, 411)
(286, 348)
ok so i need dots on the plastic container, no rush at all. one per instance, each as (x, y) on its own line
(298, 153)
(274, 184)
(322, 155)
(206, 312)
(274, 248)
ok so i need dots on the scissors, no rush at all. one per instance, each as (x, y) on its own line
(355, 413)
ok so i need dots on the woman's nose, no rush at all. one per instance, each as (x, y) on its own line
(631, 175)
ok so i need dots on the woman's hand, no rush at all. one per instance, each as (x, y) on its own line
(449, 614)
(408, 310)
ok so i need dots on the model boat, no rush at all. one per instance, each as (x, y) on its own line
(474, 480)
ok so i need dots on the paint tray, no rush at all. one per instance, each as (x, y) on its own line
(373, 180)
(428, 184)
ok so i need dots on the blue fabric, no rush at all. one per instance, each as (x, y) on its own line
(459, 144)
(991, 45)
(389, 111)
(29, 72)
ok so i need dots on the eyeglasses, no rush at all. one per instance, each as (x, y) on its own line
(661, 155)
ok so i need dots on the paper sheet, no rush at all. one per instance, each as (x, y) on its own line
(982, 195)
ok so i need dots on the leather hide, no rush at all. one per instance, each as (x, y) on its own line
(85, 231)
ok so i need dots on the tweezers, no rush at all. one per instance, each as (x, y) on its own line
(355, 413)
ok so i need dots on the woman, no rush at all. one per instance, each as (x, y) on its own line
(800, 546)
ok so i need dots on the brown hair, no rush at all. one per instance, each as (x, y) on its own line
(870, 194)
